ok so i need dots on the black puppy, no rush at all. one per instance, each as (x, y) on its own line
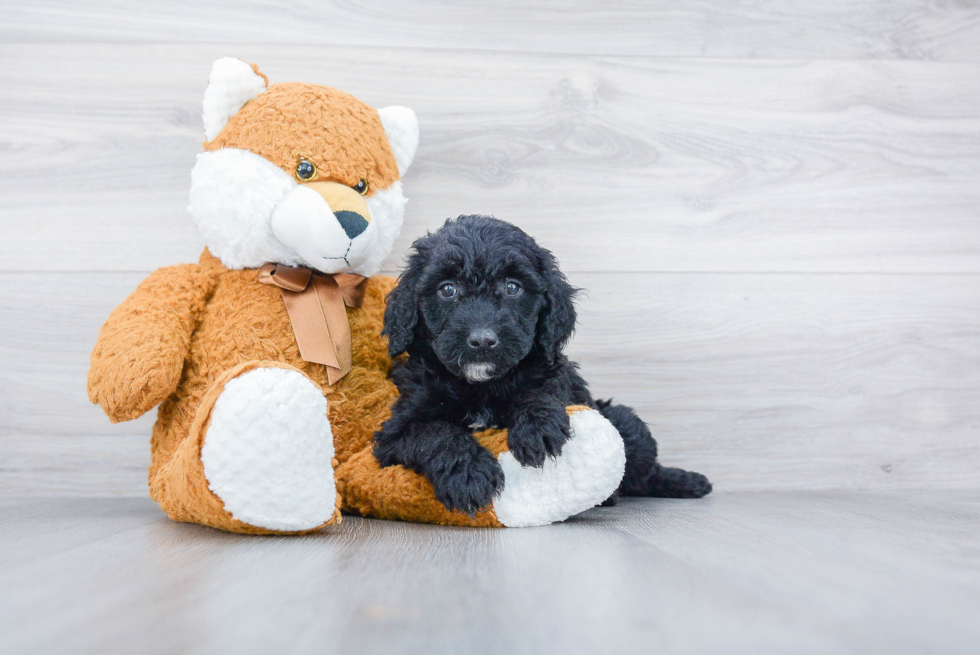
(483, 313)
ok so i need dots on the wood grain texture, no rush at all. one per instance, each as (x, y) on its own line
(109, 465)
(735, 573)
(841, 29)
(617, 164)
(812, 381)
(775, 207)
(760, 381)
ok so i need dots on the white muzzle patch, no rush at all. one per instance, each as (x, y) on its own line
(304, 223)
(477, 372)
(251, 212)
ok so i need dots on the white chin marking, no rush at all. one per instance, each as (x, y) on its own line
(477, 372)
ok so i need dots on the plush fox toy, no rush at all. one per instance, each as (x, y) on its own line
(266, 357)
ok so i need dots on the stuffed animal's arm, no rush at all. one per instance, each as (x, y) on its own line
(139, 355)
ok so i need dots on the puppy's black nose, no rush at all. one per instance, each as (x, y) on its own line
(352, 222)
(484, 339)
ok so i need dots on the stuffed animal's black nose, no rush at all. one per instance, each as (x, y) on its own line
(352, 222)
(484, 339)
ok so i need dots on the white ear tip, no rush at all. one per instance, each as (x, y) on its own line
(402, 129)
(231, 84)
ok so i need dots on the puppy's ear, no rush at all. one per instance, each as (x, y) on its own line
(557, 320)
(402, 309)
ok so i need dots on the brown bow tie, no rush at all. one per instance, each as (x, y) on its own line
(315, 304)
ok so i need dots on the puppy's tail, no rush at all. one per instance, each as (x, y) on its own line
(644, 474)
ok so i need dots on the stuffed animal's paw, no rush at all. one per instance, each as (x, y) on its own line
(268, 450)
(589, 470)
(468, 483)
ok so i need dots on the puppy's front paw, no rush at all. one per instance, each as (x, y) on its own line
(533, 438)
(469, 482)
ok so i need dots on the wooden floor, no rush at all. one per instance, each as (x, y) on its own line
(751, 572)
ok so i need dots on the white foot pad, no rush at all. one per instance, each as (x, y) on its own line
(589, 470)
(268, 453)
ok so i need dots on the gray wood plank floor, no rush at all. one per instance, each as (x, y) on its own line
(780, 572)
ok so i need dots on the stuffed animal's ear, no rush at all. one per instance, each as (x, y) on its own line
(402, 129)
(231, 84)
(402, 310)
(557, 320)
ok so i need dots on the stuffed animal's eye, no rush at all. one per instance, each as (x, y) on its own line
(448, 290)
(305, 170)
(361, 187)
(513, 288)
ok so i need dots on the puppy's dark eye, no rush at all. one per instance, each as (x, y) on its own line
(305, 170)
(513, 288)
(361, 187)
(448, 290)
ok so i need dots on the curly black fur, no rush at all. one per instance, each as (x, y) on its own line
(488, 353)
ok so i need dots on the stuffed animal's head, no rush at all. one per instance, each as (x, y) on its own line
(298, 174)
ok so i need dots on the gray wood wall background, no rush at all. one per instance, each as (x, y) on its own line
(774, 206)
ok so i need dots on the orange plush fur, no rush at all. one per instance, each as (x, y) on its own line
(235, 322)
(338, 133)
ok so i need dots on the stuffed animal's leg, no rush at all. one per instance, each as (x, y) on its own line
(259, 457)
(589, 469)
(396, 492)
(587, 472)
(644, 474)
